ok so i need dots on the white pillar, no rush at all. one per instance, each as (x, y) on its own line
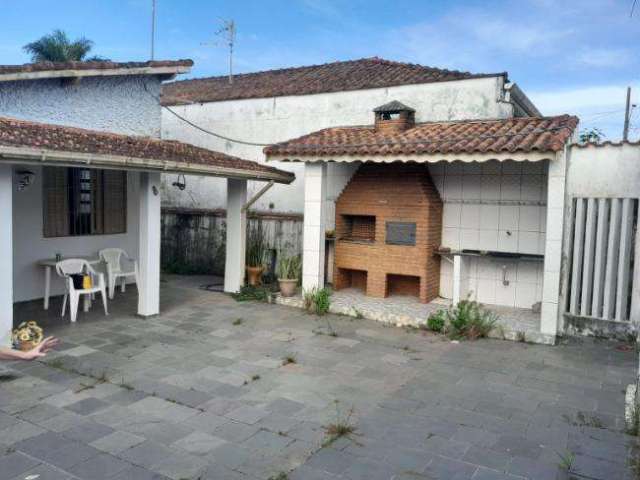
(149, 244)
(6, 249)
(315, 190)
(234, 267)
(551, 309)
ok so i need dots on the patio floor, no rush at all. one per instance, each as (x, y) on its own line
(201, 392)
(514, 323)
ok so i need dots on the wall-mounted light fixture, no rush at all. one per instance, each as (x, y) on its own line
(180, 185)
(25, 179)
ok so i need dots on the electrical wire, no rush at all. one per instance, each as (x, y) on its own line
(202, 129)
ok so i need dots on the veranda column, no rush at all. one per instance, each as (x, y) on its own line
(149, 244)
(234, 267)
(550, 310)
(315, 188)
(6, 248)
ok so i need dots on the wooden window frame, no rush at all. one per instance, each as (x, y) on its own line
(59, 209)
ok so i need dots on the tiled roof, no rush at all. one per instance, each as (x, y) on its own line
(48, 137)
(524, 134)
(329, 77)
(85, 66)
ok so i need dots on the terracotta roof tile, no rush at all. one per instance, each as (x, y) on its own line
(524, 134)
(44, 136)
(329, 77)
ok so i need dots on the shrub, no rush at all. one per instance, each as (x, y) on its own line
(250, 292)
(469, 320)
(256, 247)
(437, 321)
(317, 300)
(289, 268)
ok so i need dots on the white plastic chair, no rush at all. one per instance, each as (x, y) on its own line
(77, 266)
(113, 258)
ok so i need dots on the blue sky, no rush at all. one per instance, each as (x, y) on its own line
(574, 56)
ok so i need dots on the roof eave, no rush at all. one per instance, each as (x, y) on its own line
(27, 155)
(167, 72)
(480, 157)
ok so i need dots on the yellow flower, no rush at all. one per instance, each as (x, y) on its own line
(32, 323)
(24, 337)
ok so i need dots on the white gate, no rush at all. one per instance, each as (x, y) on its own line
(601, 258)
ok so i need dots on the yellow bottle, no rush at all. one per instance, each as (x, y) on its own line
(86, 282)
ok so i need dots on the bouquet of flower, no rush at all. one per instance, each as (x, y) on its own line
(27, 335)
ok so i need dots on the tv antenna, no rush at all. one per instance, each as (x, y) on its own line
(227, 32)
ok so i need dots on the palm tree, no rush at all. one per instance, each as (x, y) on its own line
(56, 47)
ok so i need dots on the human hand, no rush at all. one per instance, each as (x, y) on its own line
(41, 349)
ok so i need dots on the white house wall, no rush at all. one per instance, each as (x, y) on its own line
(29, 244)
(272, 120)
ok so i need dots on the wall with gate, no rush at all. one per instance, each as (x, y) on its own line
(193, 240)
(601, 277)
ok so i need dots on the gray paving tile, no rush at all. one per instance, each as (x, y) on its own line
(43, 472)
(99, 467)
(87, 406)
(16, 463)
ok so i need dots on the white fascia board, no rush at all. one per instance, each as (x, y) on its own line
(114, 162)
(107, 72)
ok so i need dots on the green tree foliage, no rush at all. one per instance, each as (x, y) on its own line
(56, 47)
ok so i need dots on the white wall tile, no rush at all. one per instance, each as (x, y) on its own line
(488, 240)
(451, 215)
(470, 217)
(453, 187)
(451, 238)
(529, 220)
(528, 242)
(490, 187)
(486, 291)
(492, 167)
(531, 188)
(446, 286)
(510, 187)
(505, 294)
(511, 168)
(470, 187)
(486, 269)
(527, 272)
(525, 295)
(469, 238)
(507, 241)
(473, 168)
(489, 217)
(509, 217)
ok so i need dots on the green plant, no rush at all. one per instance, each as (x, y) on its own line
(56, 47)
(252, 292)
(256, 247)
(317, 300)
(566, 460)
(279, 476)
(237, 321)
(469, 320)
(437, 321)
(255, 377)
(341, 427)
(289, 267)
(593, 135)
(634, 428)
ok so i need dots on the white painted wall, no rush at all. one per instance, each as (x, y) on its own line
(30, 245)
(607, 171)
(272, 120)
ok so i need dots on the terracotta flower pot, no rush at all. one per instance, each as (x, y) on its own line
(254, 275)
(287, 286)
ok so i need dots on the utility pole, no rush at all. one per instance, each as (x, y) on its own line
(153, 28)
(627, 116)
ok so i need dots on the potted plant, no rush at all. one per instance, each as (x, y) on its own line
(256, 252)
(289, 270)
(27, 336)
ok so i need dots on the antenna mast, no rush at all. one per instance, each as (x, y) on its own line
(228, 33)
(153, 28)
